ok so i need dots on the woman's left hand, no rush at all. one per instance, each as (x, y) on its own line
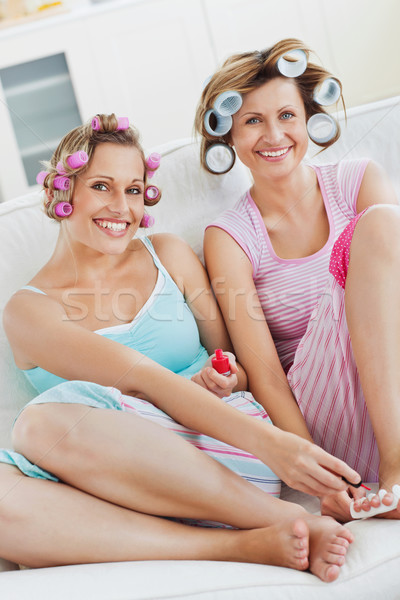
(210, 379)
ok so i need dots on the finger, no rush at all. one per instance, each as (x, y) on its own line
(196, 378)
(312, 485)
(221, 382)
(340, 469)
(327, 480)
(232, 362)
(209, 383)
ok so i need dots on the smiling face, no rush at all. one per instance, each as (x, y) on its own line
(269, 131)
(108, 199)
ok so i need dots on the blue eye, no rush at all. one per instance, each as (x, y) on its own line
(252, 121)
(100, 186)
(134, 190)
(287, 115)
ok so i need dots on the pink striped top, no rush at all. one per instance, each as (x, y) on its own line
(288, 289)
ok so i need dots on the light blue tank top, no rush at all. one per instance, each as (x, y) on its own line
(163, 330)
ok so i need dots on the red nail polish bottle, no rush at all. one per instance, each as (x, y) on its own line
(221, 363)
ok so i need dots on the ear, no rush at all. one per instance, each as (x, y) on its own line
(49, 194)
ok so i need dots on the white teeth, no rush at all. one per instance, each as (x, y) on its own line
(112, 226)
(277, 153)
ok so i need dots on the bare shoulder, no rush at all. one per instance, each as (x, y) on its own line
(223, 253)
(172, 249)
(180, 260)
(376, 187)
(24, 302)
(25, 316)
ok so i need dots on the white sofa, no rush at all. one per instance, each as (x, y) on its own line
(192, 198)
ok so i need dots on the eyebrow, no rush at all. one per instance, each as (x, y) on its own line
(279, 110)
(112, 178)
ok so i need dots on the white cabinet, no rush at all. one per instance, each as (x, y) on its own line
(43, 94)
(152, 59)
(145, 60)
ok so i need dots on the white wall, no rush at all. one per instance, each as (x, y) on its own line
(148, 59)
(358, 40)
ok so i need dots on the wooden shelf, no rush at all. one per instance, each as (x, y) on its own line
(37, 16)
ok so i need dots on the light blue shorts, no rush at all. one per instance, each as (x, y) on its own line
(70, 392)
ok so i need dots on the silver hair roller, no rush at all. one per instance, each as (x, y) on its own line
(219, 158)
(321, 128)
(226, 105)
(328, 92)
(295, 66)
(223, 125)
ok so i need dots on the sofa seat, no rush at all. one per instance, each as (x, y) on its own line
(191, 199)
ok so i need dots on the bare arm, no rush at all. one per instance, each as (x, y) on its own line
(40, 334)
(192, 279)
(231, 276)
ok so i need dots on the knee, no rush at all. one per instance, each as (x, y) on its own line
(38, 430)
(378, 231)
(53, 436)
(30, 431)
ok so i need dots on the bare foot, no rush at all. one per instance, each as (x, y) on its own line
(387, 499)
(328, 546)
(282, 545)
(337, 506)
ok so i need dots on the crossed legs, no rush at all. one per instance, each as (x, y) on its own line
(138, 469)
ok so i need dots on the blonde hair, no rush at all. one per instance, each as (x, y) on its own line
(247, 71)
(86, 139)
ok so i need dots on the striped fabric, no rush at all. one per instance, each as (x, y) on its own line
(324, 376)
(289, 288)
(303, 301)
(244, 464)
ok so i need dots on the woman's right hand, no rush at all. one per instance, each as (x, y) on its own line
(305, 466)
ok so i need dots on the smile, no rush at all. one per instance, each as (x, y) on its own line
(274, 153)
(112, 225)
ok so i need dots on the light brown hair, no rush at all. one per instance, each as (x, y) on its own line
(245, 72)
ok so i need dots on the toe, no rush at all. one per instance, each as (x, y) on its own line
(337, 549)
(331, 573)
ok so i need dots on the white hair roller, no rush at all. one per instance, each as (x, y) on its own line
(321, 128)
(293, 63)
(219, 158)
(328, 92)
(223, 125)
(228, 103)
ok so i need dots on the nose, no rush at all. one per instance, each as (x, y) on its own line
(273, 133)
(119, 202)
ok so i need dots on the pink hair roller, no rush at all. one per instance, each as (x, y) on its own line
(77, 159)
(61, 182)
(152, 193)
(147, 221)
(41, 176)
(96, 124)
(123, 123)
(60, 168)
(63, 209)
(152, 163)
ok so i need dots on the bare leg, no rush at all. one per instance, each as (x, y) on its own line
(34, 514)
(136, 464)
(373, 316)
